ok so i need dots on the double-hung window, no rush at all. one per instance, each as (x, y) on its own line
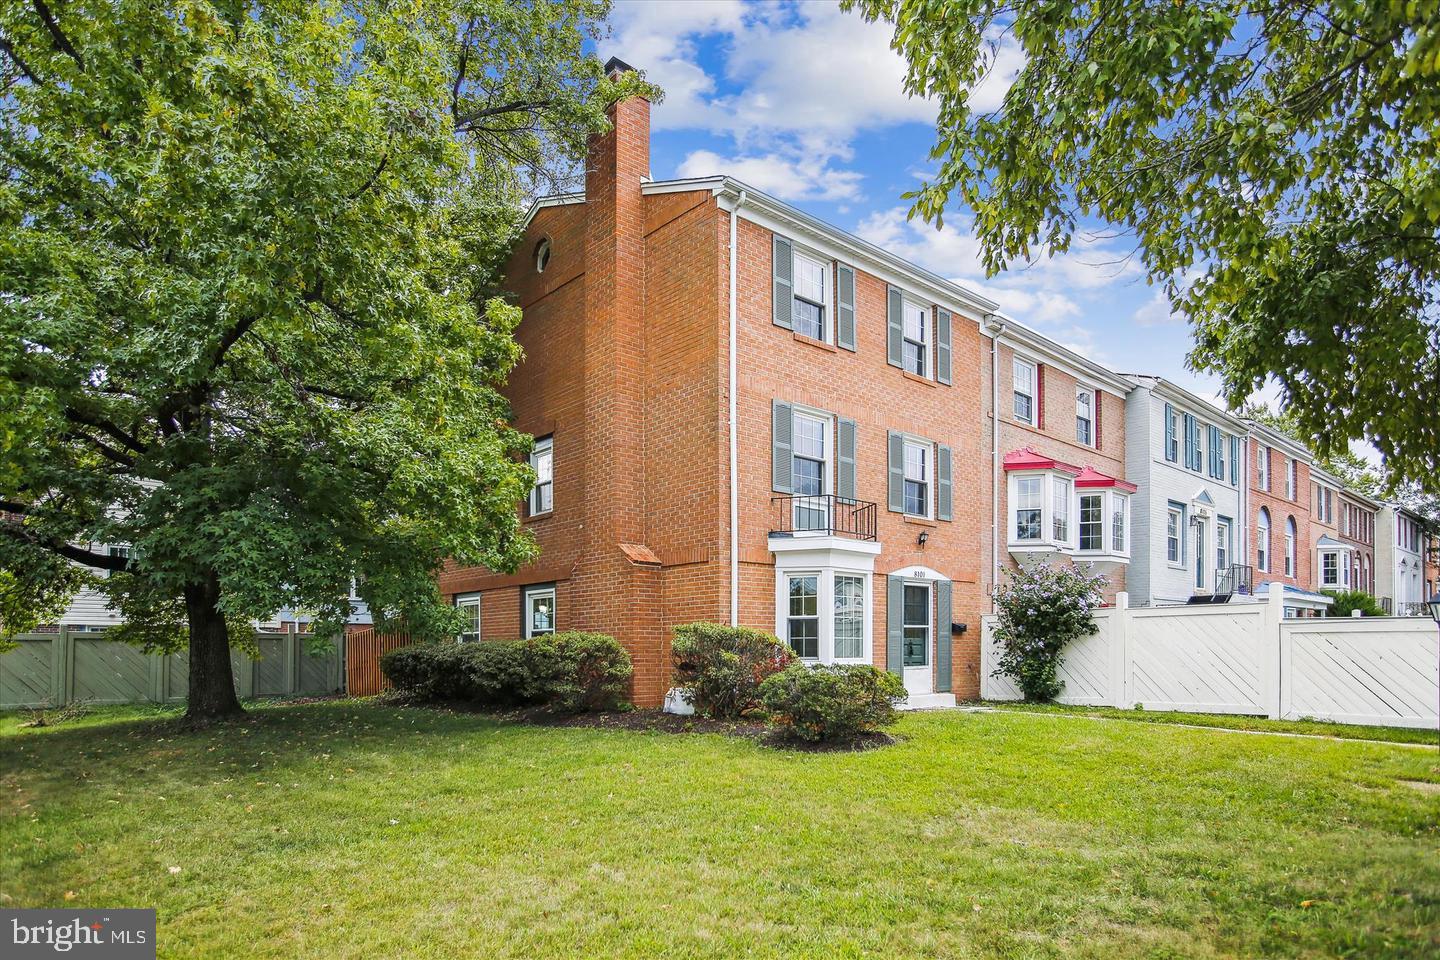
(1290, 478)
(917, 479)
(1290, 547)
(1330, 569)
(539, 607)
(810, 471)
(1092, 521)
(1262, 540)
(1085, 416)
(1029, 501)
(1060, 510)
(1222, 545)
(812, 284)
(1024, 377)
(916, 344)
(849, 617)
(469, 606)
(803, 622)
(1262, 467)
(1175, 535)
(542, 461)
(1119, 523)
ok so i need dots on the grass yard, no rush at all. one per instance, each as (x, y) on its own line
(348, 829)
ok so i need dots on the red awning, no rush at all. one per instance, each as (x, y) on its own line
(1028, 459)
(1091, 478)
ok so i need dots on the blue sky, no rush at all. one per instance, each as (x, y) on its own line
(805, 102)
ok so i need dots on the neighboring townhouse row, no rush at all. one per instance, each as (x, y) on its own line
(1400, 561)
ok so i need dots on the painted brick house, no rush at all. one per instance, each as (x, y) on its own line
(743, 415)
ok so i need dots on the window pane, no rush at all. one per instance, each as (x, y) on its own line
(804, 637)
(916, 625)
(809, 279)
(917, 498)
(915, 323)
(1027, 508)
(803, 625)
(1023, 405)
(808, 320)
(849, 618)
(1092, 521)
(808, 477)
(916, 462)
(542, 613)
(915, 358)
(1060, 511)
(810, 436)
(1117, 526)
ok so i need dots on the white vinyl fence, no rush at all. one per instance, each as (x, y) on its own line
(1246, 658)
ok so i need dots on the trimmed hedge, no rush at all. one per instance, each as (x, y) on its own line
(832, 702)
(568, 672)
(1348, 600)
(723, 666)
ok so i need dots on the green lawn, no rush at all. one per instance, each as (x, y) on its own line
(348, 829)
(1313, 728)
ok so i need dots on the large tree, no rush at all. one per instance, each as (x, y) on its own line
(247, 324)
(1276, 161)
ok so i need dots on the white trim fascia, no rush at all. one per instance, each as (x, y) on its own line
(1178, 395)
(558, 200)
(1276, 440)
(838, 552)
(1032, 345)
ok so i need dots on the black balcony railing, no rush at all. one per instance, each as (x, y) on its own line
(823, 515)
(1234, 579)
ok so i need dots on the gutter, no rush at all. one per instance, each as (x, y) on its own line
(734, 445)
(996, 328)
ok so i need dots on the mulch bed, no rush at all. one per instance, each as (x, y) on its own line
(656, 721)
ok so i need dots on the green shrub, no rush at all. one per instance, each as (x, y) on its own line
(1348, 600)
(595, 673)
(831, 703)
(723, 667)
(568, 672)
(1040, 610)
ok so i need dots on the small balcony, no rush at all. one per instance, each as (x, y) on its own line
(822, 516)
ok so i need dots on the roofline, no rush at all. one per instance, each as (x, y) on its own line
(540, 203)
(1153, 381)
(1000, 327)
(1276, 438)
(1364, 499)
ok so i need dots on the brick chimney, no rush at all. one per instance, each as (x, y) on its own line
(618, 597)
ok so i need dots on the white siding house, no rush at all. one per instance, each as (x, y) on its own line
(1187, 517)
(1399, 560)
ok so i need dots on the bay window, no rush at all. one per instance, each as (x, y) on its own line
(849, 617)
(1029, 493)
(1060, 509)
(1092, 521)
(1119, 523)
(803, 622)
(823, 611)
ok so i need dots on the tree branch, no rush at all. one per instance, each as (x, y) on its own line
(9, 50)
(62, 42)
(126, 440)
(518, 106)
(80, 555)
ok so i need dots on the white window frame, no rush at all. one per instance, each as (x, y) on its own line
(1175, 443)
(929, 625)
(1062, 491)
(1093, 399)
(1119, 505)
(929, 464)
(1332, 556)
(535, 593)
(1262, 467)
(543, 452)
(1263, 524)
(826, 327)
(827, 472)
(826, 576)
(790, 617)
(927, 344)
(1290, 474)
(1014, 501)
(1178, 538)
(1033, 371)
(1292, 534)
(1101, 521)
(1224, 544)
(466, 601)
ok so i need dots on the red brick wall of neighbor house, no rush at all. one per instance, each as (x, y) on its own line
(1281, 509)
(1319, 528)
(1363, 542)
(1055, 437)
(775, 363)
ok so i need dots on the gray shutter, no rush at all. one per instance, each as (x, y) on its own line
(894, 328)
(845, 307)
(1170, 432)
(784, 286)
(897, 472)
(845, 461)
(942, 345)
(943, 508)
(943, 616)
(782, 428)
(895, 626)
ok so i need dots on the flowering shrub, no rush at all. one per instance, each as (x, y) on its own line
(1040, 610)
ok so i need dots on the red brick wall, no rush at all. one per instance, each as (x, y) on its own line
(1361, 536)
(1281, 509)
(1055, 438)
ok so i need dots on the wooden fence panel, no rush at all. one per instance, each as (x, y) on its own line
(54, 669)
(363, 650)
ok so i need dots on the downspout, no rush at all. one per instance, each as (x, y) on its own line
(996, 328)
(734, 445)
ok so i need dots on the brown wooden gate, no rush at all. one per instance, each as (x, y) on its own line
(363, 650)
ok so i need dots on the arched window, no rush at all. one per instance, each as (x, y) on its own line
(1365, 574)
(1262, 540)
(1289, 546)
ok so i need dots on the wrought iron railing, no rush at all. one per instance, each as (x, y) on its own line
(827, 515)
(1234, 579)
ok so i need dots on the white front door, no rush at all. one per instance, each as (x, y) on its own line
(918, 624)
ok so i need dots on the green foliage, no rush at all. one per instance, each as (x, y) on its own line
(831, 702)
(567, 672)
(1040, 610)
(1346, 601)
(247, 323)
(1277, 165)
(723, 666)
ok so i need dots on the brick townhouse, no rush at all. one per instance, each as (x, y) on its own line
(1356, 522)
(1279, 498)
(857, 525)
(1062, 496)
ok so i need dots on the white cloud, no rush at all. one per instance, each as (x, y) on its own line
(790, 178)
(1155, 312)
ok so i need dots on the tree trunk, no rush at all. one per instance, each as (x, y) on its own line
(212, 682)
